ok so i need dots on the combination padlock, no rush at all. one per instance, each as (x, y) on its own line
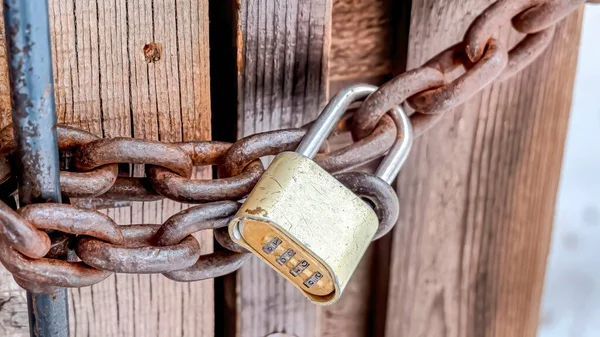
(303, 222)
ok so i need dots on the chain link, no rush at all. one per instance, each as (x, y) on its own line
(477, 76)
(427, 89)
(175, 187)
(94, 246)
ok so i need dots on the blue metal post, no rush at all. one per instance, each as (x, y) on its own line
(27, 33)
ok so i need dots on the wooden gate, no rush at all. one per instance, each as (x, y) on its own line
(477, 196)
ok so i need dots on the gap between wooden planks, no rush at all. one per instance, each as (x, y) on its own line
(105, 85)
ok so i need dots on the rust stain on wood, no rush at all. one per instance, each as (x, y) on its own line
(152, 52)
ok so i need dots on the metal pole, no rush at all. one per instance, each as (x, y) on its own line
(27, 33)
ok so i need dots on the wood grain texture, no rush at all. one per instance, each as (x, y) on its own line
(282, 83)
(350, 316)
(369, 41)
(478, 192)
(284, 72)
(105, 84)
(361, 51)
(362, 39)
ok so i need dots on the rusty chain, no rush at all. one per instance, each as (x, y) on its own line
(94, 246)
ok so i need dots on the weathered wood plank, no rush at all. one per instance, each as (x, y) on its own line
(350, 316)
(362, 39)
(105, 84)
(478, 192)
(284, 77)
(361, 51)
(282, 83)
(374, 56)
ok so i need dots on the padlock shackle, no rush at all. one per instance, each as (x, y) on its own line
(396, 157)
(329, 117)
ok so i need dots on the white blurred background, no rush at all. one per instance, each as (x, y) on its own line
(571, 300)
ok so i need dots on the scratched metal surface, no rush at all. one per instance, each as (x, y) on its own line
(282, 196)
(571, 300)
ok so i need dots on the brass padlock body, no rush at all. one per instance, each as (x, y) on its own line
(298, 213)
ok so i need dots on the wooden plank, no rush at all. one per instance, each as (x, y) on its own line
(284, 75)
(362, 40)
(380, 28)
(105, 84)
(478, 192)
(282, 83)
(360, 52)
(350, 316)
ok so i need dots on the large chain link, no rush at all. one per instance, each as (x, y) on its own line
(95, 246)
(485, 60)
